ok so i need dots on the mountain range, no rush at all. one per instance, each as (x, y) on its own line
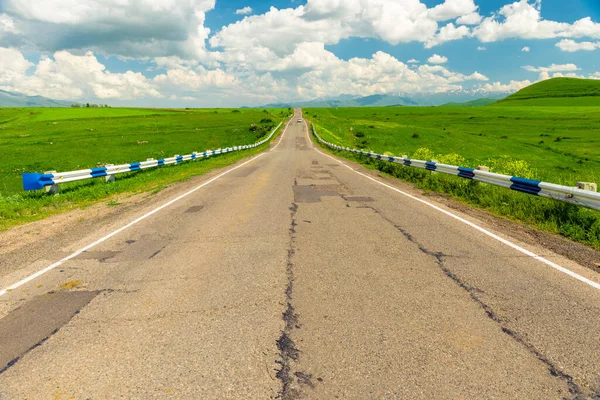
(10, 99)
(386, 100)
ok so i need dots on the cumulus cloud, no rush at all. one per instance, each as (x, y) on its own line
(481, 48)
(523, 19)
(329, 22)
(382, 73)
(497, 87)
(572, 46)
(244, 11)
(437, 59)
(141, 28)
(470, 19)
(68, 76)
(413, 61)
(451, 9)
(526, 49)
(553, 68)
(447, 34)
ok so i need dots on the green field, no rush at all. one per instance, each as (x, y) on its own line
(37, 140)
(558, 144)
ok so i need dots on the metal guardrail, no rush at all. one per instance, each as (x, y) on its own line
(36, 181)
(567, 194)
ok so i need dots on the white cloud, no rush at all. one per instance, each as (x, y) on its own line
(522, 19)
(7, 24)
(553, 68)
(244, 11)
(498, 87)
(141, 28)
(413, 61)
(572, 46)
(437, 59)
(526, 49)
(451, 9)
(470, 19)
(195, 79)
(380, 74)
(448, 33)
(481, 48)
(328, 22)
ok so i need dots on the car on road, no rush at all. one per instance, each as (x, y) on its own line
(299, 119)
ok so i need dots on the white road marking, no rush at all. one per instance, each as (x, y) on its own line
(129, 225)
(283, 134)
(564, 270)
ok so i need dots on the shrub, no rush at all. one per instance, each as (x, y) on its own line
(423, 153)
(510, 166)
(416, 136)
(452, 159)
(359, 134)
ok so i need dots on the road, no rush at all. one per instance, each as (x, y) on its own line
(293, 276)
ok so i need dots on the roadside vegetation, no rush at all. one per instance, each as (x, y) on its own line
(558, 144)
(37, 140)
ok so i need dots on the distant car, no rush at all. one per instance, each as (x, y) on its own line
(299, 119)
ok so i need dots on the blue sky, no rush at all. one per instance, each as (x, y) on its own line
(203, 53)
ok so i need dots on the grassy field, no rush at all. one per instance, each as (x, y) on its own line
(36, 140)
(552, 143)
(557, 144)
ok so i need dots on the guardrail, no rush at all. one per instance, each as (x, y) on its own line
(36, 181)
(567, 194)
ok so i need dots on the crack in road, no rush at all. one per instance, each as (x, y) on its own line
(288, 352)
(575, 390)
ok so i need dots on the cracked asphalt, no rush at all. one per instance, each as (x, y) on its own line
(293, 277)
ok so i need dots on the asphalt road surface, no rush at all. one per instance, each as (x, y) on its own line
(293, 276)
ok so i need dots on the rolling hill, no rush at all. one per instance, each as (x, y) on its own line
(10, 99)
(557, 92)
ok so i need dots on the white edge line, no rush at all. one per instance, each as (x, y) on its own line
(283, 134)
(564, 270)
(129, 225)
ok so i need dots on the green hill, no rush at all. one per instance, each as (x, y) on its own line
(557, 92)
(474, 103)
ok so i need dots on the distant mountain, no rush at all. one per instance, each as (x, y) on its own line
(376, 100)
(472, 103)
(557, 92)
(10, 99)
(387, 100)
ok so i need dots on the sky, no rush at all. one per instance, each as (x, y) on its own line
(231, 53)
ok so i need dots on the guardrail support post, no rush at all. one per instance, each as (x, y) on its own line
(52, 189)
(483, 168)
(109, 178)
(589, 186)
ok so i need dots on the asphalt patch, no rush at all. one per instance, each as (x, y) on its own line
(194, 209)
(35, 322)
(312, 193)
(359, 199)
